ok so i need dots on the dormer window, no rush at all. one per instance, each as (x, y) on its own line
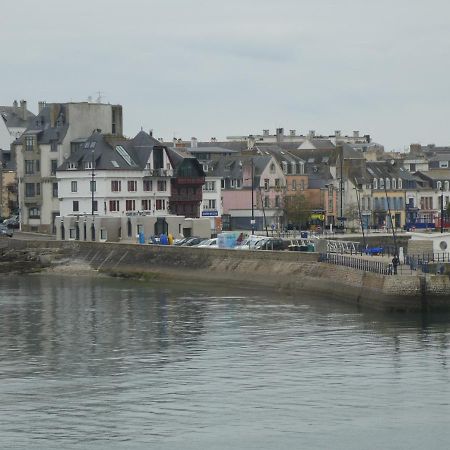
(394, 183)
(446, 185)
(29, 143)
(399, 183)
(272, 168)
(388, 183)
(381, 183)
(375, 183)
(438, 185)
(71, 166)
(89, 165)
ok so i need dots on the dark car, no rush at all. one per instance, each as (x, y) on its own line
(12, 222)
(271, 244)
(5, 231)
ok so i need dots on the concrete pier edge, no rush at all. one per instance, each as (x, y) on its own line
(295, 273)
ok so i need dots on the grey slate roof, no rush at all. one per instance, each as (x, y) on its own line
(103, 149)
(13, 119)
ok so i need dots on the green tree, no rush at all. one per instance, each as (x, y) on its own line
(297, 209)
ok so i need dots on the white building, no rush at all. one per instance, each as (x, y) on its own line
(59, 130)
(128, 177)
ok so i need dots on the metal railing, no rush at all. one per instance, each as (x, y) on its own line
(357, 263)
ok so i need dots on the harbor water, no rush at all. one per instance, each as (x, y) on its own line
(90, 363)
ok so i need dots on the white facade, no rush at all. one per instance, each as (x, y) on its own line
(116, 193)
(212, 200)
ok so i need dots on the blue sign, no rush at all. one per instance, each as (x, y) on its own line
(210, 213)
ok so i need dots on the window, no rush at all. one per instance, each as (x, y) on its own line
(114, 205)
(277, 201)
(132, 185)
(272, 168)
(443, 164)
(29, 143)
(412, 167)
(71, 166)
(446, 185)
(29, 166)
(75, 206)
(438, 185)
(399, 183)
(160, 204)
(29, 190)
(89, 165)
(238, 182)
(162, 185)
(34, 213)
(210, 186)
(92, 186)
(72, 233)
(210, 204)
(74, 186)
(394, 183)
(55, 189)
(95, 205)
(116, 185)
(54, 146)
(266, 202)
(266, 184)
(103, 234)
(388, 183)
(294, 185)
(146, 205)
(147, 185)
(53, 166)
(130, 205)
(222, 183)
(38, 188)
(277, 183)
(375, 183)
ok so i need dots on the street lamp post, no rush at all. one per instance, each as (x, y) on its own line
(442, 209)
(253, 203)
(92, 183)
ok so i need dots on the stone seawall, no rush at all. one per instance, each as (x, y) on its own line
(295, 273)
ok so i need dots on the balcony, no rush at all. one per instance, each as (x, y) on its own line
(33, 200)
(158, 172)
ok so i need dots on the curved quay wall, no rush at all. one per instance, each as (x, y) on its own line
(295, 273)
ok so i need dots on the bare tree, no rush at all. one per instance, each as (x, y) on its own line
(297, 209)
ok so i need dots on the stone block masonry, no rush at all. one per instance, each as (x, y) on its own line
(295, 273)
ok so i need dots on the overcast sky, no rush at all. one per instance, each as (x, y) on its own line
(215, 68)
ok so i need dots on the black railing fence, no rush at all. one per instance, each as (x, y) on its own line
(357, 263)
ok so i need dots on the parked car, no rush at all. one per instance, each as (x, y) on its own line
(271, 244)
(180, 241)
(5, 231)
(209, 243)
(12, 222)
(192, 241)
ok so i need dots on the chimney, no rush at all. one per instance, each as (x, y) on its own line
(213, 139)
(41, 106)
(311, 133)
(15, 107)
(337, 133)
(265, 132)
(356, 134)
(150, 133)
(54, 113)
(292, 133)
(23, 109)
(250, 142)
(193, 142)
(280, 134)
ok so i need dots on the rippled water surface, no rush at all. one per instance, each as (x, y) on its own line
(99, 363)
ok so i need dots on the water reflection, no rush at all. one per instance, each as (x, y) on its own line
(104, 363)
